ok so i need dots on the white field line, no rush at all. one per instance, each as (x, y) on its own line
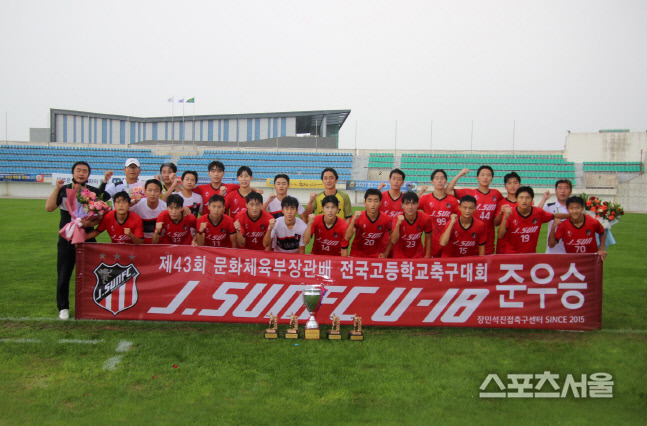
(19, 340)
(81, 342)
(112, 363)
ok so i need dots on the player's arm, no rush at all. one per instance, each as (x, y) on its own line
(544, 199)
(422, 190)
(307, 235)
(395, 233)
(131, 234)
(199, 237)
(482, 250)
(50, 204)
(444, 238)
(602, 251)
(158, 231)
(240, 238)
(350, 230)
(503, 227)
(234, 240)
(561, 216)
(268, 201)
(552, 239)
(91, 234)
(311, 204)
(173, 188)
(348, 208)
(302, 249)
(267, 238)
(449, 190)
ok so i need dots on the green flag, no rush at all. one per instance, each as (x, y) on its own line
(190, 101)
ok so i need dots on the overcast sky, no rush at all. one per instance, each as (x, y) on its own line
(546, 66)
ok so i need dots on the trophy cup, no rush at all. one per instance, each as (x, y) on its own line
(293, 329)
(312, 295)
(273, 331)
(356, 332)
(334, 333)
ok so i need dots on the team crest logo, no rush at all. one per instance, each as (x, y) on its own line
(449, 206)
(379, 227)
(494, 198)
(534, 221)
(116, 288)
(223, 230)
(588, 232)
(184, 227)
(262, 227)
(419, 229)
(473, 234)
(335, 235)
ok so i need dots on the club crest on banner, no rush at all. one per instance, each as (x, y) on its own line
(116, 287)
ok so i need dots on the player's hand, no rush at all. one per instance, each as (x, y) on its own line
(507, 210)
(271, 198)
(158, 227)
(453, 217)
(107, 175)
(423, 189)
(272, 223)
(357, 214)
(381, 256)
(257, 190)
(223, 190)
(381, 185)
(400, 219)
(311, 218)
(464, 172)
(186, 211)
(556, 223)
(137, 196)
(313, 195)
(603, 254)
(60, 183)
(127, 232)
(158, 177)
(172, 177)
(547, 194)
(203, 226)
(236, 226)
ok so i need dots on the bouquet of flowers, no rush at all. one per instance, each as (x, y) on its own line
(83, 205)
(606, 212)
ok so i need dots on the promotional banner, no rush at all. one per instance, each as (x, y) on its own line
(299, 183)
(22, 177)
(359, 185)
(183, 283)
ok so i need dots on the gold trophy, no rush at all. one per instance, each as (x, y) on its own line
(293, 329)
(312, 295)
(273, 331)
(356, 332)
(334, 333)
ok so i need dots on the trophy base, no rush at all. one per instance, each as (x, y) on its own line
(312, 334)
(355, 335)
(270, 333)
(333, 335)
(292, 334)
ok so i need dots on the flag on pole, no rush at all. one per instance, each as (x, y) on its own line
(180, 101)
(170, 100)
(190, 101)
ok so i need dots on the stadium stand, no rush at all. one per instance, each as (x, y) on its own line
(47, 160)
(266, 164)
(618, 167)
(381, 160)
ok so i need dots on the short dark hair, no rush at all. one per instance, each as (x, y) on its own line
(254, 196)
(242, 169)
(410, 197)
(169, 164)
(526, 189)
(575, 199)
(175, 199)
(398, 171)
(121, 195)
(467, 199)
(282, 175)
(290, 202)
(484, 167)
(511, 175)
(217, 165)
(433, 174)
(372, 191)
(566, 181)
(153, 182)
(330, 169)
(81, 163)
(215, 198)
(330, 199)
(190, 172)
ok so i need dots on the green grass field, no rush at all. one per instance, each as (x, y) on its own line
(110, 372)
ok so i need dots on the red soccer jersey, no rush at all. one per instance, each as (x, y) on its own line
(501, 243)
(326, 240)
(176, 233)
(234, 203)
(389, 206)
(217, 234)
(466, 241)
(207, 191)
(409, 245)
(254, 230)
(439, 210)
(368, 235)
(116, 230)
(582, 239)
(522, 232)
(486, 205)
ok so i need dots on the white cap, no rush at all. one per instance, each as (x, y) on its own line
(132, 161)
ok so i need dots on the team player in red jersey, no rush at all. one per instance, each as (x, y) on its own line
(328, 230)
(173, 226)
(150, 207)
(392, 198)
(439, 206)
(408, 228)
(464, 235)
(512, 182)
(273, 202)
(123, 226)
(578, 232)
(216, 173)
(236, 201)
(252, 224)
(520, 227)
(368, 227)
(216, 229)
(486, 200)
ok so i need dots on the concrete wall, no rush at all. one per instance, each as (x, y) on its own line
(613, 146)
(632, 195)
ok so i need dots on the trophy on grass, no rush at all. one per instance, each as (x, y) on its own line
(334, 333)
(293, 329)
(273, 331)
(312, 295)
(356, 332)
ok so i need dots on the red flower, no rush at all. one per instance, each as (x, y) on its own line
(588, 203)
(611, 217)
